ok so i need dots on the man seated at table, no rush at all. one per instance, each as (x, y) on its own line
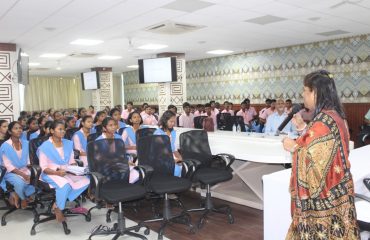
(148, 117)
(247, 112)
(186, 119)
(366, 128)
(227, 108)
(276, 118)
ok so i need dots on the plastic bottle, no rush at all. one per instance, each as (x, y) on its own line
(234, 128)
(238, 128)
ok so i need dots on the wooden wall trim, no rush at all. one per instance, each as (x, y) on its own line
(11, 47)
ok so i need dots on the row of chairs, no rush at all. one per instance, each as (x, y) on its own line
(224, 122)
(109, 171)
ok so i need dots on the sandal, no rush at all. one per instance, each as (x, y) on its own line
(14, 199)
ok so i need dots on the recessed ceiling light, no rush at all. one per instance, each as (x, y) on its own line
(152, 46)
(107, 57)
(220, 52)
(58, 68)
(32, 64)
(86, 42)
(53, 55)
(23, 54)
(133, 66)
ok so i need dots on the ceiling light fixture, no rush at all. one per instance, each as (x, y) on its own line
(53, 55)
(220, 52)
(152, 46)
(86, 42)
(32, 64)
(133, 66)
(107, 57)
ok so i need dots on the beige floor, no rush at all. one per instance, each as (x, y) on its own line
(20, 222)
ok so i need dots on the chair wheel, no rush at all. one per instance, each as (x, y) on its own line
(115, 226)
(201, 223)
(67, 231)
(36, 219)
(230, 219)
(88, 218)
(33, 232)
(3, 222)
(137, 229)
(147, 231)
(108, 219)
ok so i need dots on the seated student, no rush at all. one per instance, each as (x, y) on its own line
(99, 118)
(50, 113)
(214, 109)
(166, 124)
(70, 123)
(143, 107)
(288, 106)
(36, 115)
(58, 116)
(66, 114)
(227, 108)
(275, 119)
(148, 117)
(81, 113)
(23, 122)
(127, 111)
(266, 112)
(247, 112)
(128, 135)
(366, 128)
(55, 155)
(199, 111)
(210, 114)
(91, 111)
(3, 129)
(80, 138)
(45, 130)
(110, 132)
(31, 133)
(41, 122)
(186, 119)
(116, 115)
(14, 153)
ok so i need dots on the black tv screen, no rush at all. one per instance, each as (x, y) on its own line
(90, 80)
(157, 70)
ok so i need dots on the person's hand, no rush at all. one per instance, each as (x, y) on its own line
(298, 121)
(178, 159)
(289, 144)
(61, 172)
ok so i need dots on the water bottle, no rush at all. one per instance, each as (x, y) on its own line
(234, 128)
(238, 129)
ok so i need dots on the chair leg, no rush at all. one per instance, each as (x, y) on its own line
(3, 218)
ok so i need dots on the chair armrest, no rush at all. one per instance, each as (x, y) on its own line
(228, 159)
(188, 168)
(195, 162)
(35, 174)
(98, 180)
(2, 172)
(367, 183)
(79, 162)
(145, 172)
(363, 197)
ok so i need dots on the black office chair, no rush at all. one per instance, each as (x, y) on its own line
(70, 132)
(178, 121)
(155, 151)
(45, 194)
(110, 177)
(210, 170)
(239, 120)
(93, 136)
(225, 121)
(2, 194)
(364, 225)
(198, 122)
(144, 132)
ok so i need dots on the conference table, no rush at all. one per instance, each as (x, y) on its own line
(256, 155)
(276, 212)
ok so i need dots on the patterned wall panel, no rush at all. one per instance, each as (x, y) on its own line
(9, 97)
(104, 96)
(275, 73)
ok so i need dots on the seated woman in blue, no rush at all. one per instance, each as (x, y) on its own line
(80, 137)
(116, 115)
(81, 113)
(14, 153)
(128, 135)
(109, 132)
(55, 155)
(31, 132)
(166, 124)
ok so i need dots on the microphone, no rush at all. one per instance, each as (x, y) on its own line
(295, 108)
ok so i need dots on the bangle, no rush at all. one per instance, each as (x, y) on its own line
(300, 130)
(293, 148)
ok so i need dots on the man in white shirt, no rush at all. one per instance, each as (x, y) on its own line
(186, 119)
(276, 118)
(127, 111)
(148, 117)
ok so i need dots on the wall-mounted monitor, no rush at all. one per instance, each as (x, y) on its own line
(157, 70)
(90, 80)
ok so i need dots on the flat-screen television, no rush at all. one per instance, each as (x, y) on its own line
(22, 68)
(157, 70)
(90, 80)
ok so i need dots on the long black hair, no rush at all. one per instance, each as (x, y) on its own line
(164, 119)
(10, 127)
(84, 120)
(98, 115)
(46, 126)
(130, 116)
(322, 83)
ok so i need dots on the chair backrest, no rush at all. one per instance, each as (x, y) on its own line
(225, 121)
(198, 122)
(178, 121)
(144, 132)
(93, 136)
(239, 120)
(99, 129)
(108, 157)
(120, 131)
(70, 132)
(34, 144)
(156, 152)
(194, 144)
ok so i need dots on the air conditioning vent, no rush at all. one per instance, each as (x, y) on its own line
(83, 55)
(173, 28)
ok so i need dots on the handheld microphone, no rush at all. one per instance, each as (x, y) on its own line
(295, 108)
